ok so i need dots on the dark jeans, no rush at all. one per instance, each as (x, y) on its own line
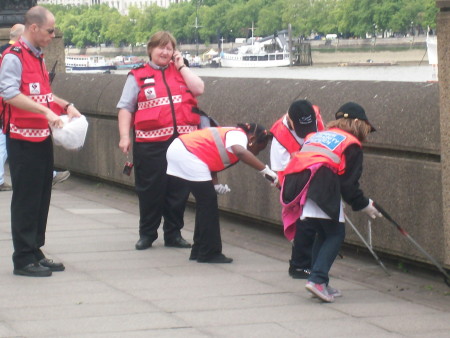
(305, 234)
(207, 239)
(160, 195)
(330, 235)
(31, 167)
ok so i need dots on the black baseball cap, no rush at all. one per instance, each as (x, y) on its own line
(302, 114)
(352, 110)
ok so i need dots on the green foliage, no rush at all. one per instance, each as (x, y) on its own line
(83, 25)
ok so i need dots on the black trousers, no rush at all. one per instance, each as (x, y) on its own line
(305, 235)
(31, 167)
(160, 195)
(207, 240)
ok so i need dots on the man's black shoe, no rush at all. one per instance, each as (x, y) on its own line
(299, 273)
(143, 243)
(193, 256)
(178, 242)
(33, 270)
(53, 266)
(220, 258)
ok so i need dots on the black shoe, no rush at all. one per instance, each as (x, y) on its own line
(53, 266)
(178, 242)
(33, 270)
(143, 243)
(220, 258)
(193, 256)
(299, 273)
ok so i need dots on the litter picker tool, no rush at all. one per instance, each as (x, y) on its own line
(422, 250)
(367, 244)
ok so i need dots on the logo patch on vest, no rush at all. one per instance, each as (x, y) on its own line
(150, 93)
(35, 88)
(149, 80)
(16, 49)
(328, 139)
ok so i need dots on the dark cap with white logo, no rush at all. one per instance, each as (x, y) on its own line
(302, 114)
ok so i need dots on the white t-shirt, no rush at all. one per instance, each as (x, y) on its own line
(279, 156)
(182, 163)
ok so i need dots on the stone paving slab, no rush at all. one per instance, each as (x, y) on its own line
(111, 290)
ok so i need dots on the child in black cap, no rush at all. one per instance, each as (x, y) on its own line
(317, 179)
(301, 119)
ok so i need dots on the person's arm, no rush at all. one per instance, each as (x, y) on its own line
(193, 81)
(247, 157)
(127, 106)
(125, 119)
(11, 77)
(24, 102)
(350, 190)
(68, 107)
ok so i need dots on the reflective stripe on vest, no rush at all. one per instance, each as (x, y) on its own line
(220, 147)
(311, 148)
(27, 132)
(149, 134)
(161, 101)
(42, 98)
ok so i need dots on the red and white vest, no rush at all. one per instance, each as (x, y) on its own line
(209, 146)
(164, 104)
(35, 83)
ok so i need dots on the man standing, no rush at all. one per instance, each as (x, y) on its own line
(14, 35)
(30, 109)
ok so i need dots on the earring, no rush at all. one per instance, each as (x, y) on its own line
(250, 144)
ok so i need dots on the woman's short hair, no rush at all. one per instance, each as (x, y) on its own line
(161, 38)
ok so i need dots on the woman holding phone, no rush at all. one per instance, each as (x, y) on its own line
(156, 103)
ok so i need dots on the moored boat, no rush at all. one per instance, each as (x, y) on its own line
(128, 61)
(88, 64)
(271, 51)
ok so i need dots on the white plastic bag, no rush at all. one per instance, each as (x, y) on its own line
(73, 134)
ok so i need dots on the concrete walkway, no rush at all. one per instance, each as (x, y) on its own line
(111, 290)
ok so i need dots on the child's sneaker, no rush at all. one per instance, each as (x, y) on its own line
(320, 290)
(334, 292)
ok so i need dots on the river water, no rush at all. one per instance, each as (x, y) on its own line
(423, 73)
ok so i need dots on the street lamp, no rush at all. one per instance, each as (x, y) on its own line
(196, 26)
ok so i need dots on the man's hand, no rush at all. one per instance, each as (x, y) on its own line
(54, 120)
(72, 112)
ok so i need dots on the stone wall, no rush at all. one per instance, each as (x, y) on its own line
(402, 168)
(443, 22)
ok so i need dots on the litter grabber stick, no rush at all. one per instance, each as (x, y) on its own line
(422, 250)
(369, 246)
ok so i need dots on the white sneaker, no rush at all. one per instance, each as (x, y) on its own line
(61, 176)
(320, 291)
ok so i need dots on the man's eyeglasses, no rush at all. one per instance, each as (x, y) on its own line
(49, 30)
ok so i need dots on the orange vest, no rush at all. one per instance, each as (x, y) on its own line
(164, 105)
(325, 147)
(283, 135)
(209, 146)
(35, 83)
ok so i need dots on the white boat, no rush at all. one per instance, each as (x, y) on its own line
(270, 51)
(88, 64)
